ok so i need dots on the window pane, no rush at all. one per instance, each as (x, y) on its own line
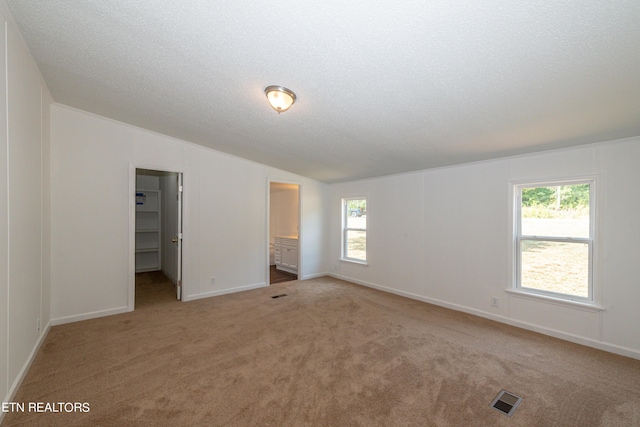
(555, 267)
(561, 211)
(356, 245)
(357, 213)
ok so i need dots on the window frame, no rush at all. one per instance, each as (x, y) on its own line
(345, 230)
(518, 238)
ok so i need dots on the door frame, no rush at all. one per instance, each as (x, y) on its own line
(131, 282)
(268, 225)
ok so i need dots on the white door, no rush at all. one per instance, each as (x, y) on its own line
(171, 183)
(178, 241)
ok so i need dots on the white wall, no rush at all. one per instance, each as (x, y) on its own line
(284, 213)
(444, 236)
(24, 207)
(225, 225)
(4, 226)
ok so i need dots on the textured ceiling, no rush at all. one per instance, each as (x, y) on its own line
(383, 87)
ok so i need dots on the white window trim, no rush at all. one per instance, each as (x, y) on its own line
(345, 213)
(591, 303)
(585, 306)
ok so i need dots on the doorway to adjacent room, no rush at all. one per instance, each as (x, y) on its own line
(284, 232)
(158, 236)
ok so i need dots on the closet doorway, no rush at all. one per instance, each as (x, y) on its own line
(158, 237)
(284, 232)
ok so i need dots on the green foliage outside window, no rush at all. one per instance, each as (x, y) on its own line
(562, 197)
(357, 204)
(539, 196)
(574, 196)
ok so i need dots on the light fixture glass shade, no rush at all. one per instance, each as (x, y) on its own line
(280, 98)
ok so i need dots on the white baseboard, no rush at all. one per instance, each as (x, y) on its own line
(224, 291)
(600, 345)
(312, 276)
(588, 342)
(87, 316)
(25, 368)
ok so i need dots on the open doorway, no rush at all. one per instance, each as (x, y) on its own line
(284, 231)
(158, 237)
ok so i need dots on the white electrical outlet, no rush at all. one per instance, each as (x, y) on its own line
(38, 324)
(213, 280)
(495, 301)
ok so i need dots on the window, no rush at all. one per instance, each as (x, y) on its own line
(354, 229)
(554, 239)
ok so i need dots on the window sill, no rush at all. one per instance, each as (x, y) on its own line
(586, 306)
(354, 261)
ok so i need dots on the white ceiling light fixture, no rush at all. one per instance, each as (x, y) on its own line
(280, 98)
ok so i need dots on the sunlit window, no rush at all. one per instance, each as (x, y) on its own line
(554, 239)
(354, 229)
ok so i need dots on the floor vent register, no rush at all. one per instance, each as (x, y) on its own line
(506, 403)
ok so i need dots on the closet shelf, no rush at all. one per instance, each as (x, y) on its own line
(148, 230)
(147, 250)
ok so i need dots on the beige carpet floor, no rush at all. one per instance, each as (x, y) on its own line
(330, 353)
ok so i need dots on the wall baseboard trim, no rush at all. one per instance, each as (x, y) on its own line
(126, 309)
(87, 316)
(224, 292)
(25, 368)
(313, 276)
(577, 339)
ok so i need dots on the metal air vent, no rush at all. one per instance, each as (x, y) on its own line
(506, 402)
